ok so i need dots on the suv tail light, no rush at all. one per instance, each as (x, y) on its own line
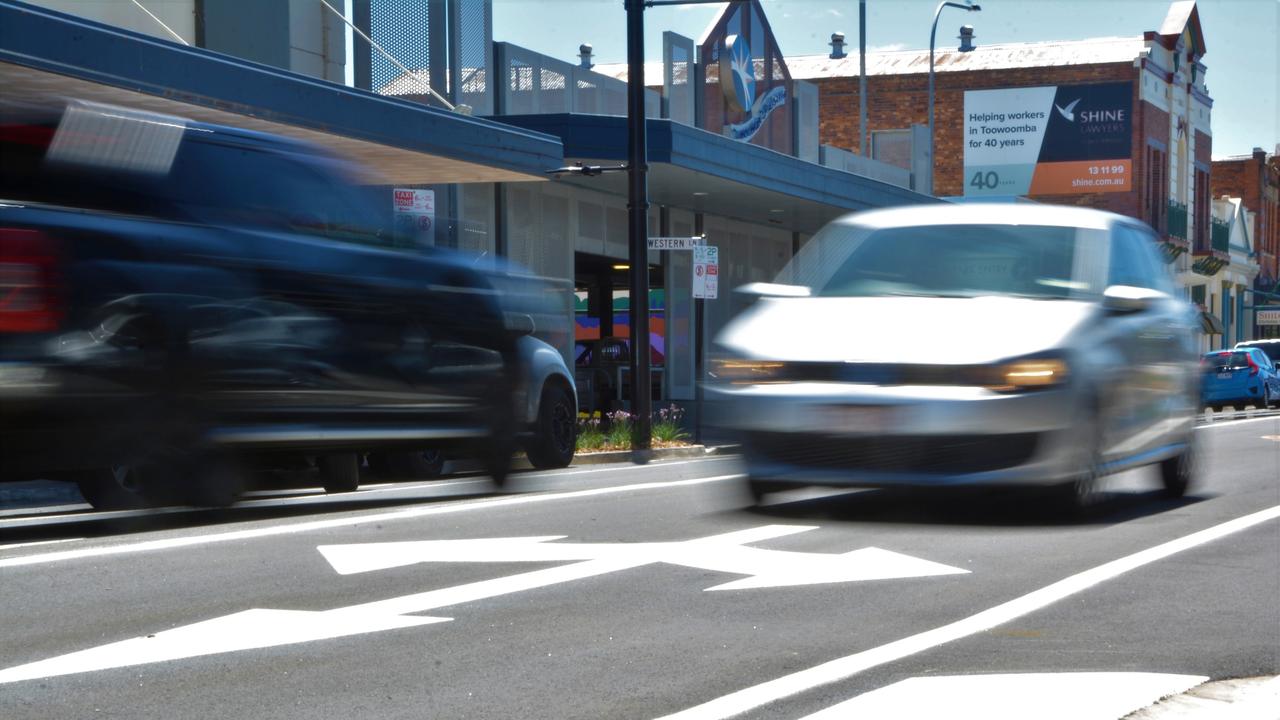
(1253, 366)
(30, 282)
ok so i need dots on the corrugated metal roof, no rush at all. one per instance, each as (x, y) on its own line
(901, 62)
(985, 57)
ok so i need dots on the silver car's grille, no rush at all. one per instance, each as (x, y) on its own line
(933, 454)
(889, 373)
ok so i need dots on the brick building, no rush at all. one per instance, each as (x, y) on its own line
(1163, 175)
(1255, 179)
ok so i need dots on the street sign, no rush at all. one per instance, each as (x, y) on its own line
(1268, 317)
(732, 553)
(415, 213)
(675, 243)
(706, 272)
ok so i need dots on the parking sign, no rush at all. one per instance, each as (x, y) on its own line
(706, 272)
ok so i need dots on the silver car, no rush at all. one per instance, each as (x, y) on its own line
(946, 345)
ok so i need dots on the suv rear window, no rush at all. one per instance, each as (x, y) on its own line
(1226, 360)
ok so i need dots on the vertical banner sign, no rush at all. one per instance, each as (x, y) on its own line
(415, 214)
(706, 272)
(1056, 140)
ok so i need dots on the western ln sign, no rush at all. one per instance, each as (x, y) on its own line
(256, 628)
(675, 243)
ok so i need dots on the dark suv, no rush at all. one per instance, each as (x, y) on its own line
(180, 301)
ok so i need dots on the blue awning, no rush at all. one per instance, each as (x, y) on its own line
(47, 55)
(734, 179)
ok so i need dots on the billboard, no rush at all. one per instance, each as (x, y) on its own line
(1054, 140)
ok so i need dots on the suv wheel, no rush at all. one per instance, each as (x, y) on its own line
(118, 487)
(339, 472)
(556, 433)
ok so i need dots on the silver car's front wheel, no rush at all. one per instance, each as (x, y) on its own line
(1084, 490)
(1179, 472)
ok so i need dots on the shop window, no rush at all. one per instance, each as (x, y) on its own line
(1156, 192)
(1203, 209)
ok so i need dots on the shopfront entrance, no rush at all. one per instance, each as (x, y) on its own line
(602, 332)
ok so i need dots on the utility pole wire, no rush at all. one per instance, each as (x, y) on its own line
(160, 22)
(422, 83)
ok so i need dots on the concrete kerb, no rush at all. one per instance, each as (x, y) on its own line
(1255, 698)
(624, 456)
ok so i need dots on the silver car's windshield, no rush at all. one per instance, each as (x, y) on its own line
(947, 260)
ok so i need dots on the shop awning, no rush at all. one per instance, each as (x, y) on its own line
(698, 170)
(47, 56)
(1211, 324)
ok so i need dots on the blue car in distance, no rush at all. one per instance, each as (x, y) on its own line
(1239, 377)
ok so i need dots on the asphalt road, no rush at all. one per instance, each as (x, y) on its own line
(642, 592)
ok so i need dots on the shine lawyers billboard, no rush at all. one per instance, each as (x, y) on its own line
(1054, 140)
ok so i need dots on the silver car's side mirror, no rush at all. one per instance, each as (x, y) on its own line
(1129, 299)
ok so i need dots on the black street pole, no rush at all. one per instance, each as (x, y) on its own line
(638, 234)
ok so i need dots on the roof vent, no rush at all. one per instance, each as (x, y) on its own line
(837, 45)
(584, 56)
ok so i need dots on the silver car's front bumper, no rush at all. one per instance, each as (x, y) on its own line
(873, 436)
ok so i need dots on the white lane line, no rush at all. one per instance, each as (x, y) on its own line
(300, 496)
(839, 669)
(1228, 423)
(405, 514)
(14, 546)
(1044, 696)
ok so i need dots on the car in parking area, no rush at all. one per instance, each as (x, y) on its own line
(1239, 377)
(947, 345)
(1269, 346)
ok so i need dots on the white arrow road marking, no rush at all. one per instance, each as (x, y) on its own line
(257, 628)
(1044, 696)
(260, 628)
(721, 553)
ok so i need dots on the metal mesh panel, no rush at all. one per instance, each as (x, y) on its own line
(892, 146)
(519, 88)
(806, 121)
(555, 92)
(677, 80)
(586, 98)
(400, 27)
(472, 23)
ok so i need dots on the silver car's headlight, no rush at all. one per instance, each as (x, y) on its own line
(748, 372)
(1028, 374)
